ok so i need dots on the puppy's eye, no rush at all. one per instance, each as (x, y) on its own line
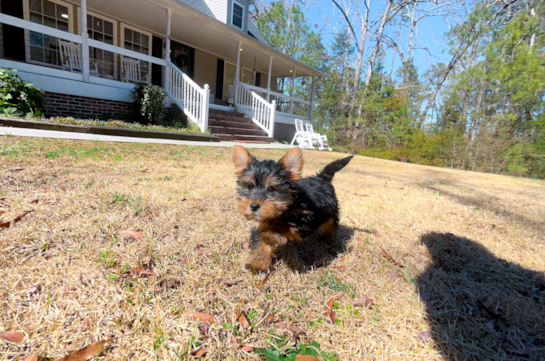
(250, 186)
(270, 190)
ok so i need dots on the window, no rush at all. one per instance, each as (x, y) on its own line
(247, 76)
(238, 15)
(56, 14)
(102, 29)
(139, 41)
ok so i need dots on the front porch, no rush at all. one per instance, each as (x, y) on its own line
(209, 65)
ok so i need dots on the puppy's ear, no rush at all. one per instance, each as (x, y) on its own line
(292, 162)
(242, 159)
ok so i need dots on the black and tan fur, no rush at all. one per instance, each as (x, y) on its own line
(284, 206)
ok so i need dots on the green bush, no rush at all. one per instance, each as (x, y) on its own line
(148, 104)
(17, 97)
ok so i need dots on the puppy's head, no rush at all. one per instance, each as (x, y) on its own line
(265, 188)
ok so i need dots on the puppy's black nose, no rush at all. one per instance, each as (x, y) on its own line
(254, 207)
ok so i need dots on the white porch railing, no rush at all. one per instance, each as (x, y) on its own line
(299, 107)
(255, 107)
(190, 97)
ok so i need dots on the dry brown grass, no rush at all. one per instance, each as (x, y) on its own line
(182, 199)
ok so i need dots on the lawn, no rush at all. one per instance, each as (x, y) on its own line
(463, 277)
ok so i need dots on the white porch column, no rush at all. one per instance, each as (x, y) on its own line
(311, 100)
(167, 50)
(269, 80)
(292, 89)
(84, 42)
(237, 71)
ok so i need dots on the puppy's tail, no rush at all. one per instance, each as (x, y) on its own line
(329, 171)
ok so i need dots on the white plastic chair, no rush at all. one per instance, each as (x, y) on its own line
(302, 137)
(321, 139)
(71, 58)
(130, 70)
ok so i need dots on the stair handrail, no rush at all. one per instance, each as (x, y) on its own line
(188, 95)
(255, 107)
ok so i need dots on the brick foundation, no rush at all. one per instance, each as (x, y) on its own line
(64, 105)
(284, 132)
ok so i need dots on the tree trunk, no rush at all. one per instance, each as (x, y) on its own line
(373, 57)
(359, 61)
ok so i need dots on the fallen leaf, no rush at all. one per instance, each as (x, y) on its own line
(12, 336)
(280, 325)
(269, 319)
(389, 257)
(132, 234)
(199, 352)
(363, 301)
(394, 275)
(479, 224)
(31, 358)
(17, 218)
(300, 357)
(203, 328)
(228, 282)
(338, 266)
(86, 353)
(243, 320)
(44, 200)
(271, 269)
(245, 245)
(14, 170)
(85, 279)
(328, 310)
(296, 329)
(169, 238)
(170, 283)
(235, 340)
(247, 348)
(32, 289)
(142, 271)
(361, 195)
(204, 317)
(425, 336)
(204, 252)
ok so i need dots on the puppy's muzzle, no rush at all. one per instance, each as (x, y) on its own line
(254, 207)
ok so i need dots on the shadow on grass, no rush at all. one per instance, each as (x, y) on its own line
(480, 307)
(315, 252)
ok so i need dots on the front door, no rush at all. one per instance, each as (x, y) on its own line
(183, 57)
(230, 71)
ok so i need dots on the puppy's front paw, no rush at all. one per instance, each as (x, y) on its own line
(258, 261)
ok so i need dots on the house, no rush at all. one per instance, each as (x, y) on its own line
(87, 55)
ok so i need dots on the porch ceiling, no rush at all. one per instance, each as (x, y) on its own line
(200, 31)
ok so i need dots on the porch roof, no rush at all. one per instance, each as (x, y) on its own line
(201, 31)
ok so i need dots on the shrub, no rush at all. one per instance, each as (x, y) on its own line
(149, 103)
(17, 97)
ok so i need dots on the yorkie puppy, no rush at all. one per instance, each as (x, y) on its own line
(284, 206)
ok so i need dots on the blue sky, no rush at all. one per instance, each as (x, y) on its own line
(430, 33)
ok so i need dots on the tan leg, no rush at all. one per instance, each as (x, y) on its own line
(260, 259)
(328, 230)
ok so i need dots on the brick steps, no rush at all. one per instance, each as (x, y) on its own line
(234, 126)
(249, 138)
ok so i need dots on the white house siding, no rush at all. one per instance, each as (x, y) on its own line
(1, 36)
(206, 66)
(219, 9)
(201, 5)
